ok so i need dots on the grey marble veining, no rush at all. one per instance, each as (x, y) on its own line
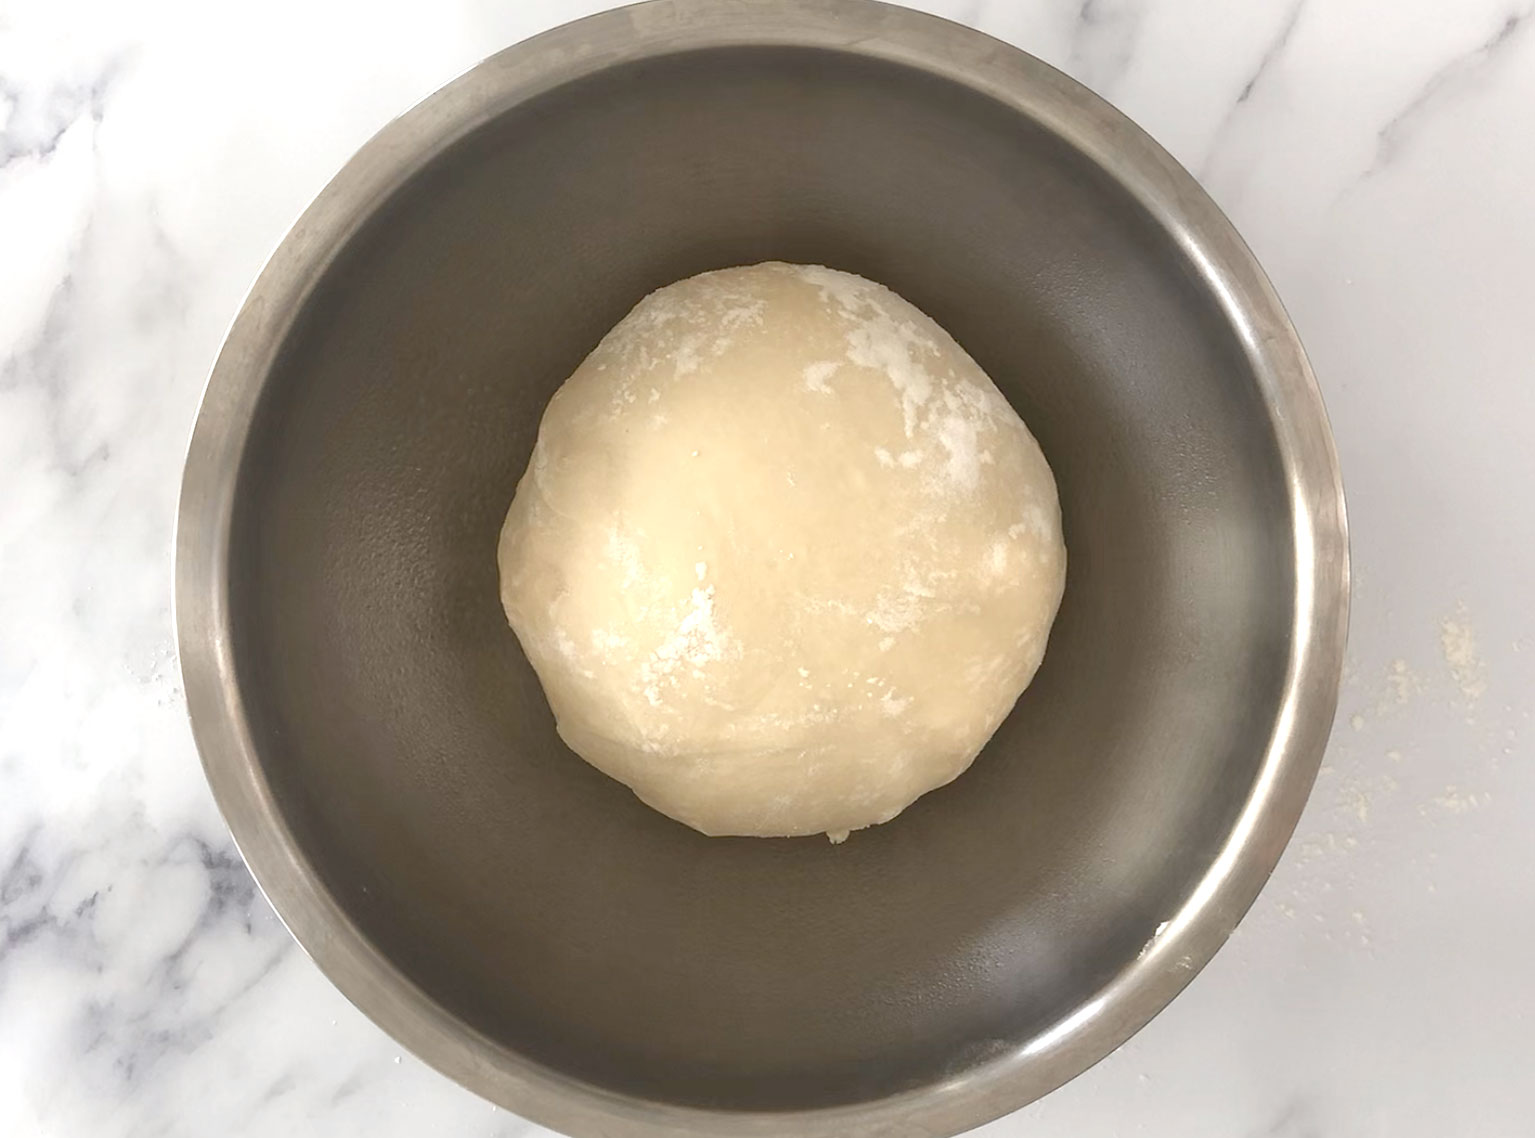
(1379, 157)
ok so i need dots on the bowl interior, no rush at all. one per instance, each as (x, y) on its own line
(407, 741)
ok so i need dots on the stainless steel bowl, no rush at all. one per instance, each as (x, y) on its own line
(385, 757)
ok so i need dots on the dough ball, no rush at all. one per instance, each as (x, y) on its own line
(784, 557)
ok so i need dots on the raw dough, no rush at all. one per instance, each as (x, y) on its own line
(784, 557)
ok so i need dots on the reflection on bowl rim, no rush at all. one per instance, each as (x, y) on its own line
(1175, 950)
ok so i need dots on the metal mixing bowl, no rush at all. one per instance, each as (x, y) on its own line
(383, 752)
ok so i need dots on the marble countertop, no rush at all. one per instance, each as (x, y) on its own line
(1378, 154)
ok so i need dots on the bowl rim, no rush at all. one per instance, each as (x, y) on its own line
(1174, 952)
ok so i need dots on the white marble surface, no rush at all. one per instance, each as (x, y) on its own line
(1378, 154)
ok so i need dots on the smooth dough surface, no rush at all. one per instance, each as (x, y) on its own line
(783, 557)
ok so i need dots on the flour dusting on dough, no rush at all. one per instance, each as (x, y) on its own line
(816, 374)
(941, 415)
(697, 641)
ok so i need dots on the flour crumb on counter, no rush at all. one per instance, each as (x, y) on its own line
(1459, 645)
